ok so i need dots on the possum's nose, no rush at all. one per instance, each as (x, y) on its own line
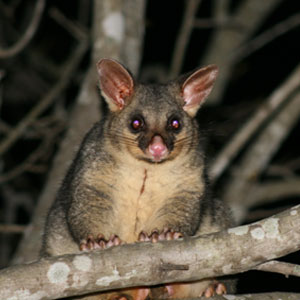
(157, 148)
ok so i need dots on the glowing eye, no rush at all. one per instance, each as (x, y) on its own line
(174, 124)
(137, 123)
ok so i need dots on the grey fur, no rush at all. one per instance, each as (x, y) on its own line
(92, 198)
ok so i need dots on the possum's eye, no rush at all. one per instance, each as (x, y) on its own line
(174, 124)
(137, 123)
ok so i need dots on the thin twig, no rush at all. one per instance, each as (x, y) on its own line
(280, 170)
(44, 103)
(29, 33)
(183, 36)
(75, 29)
(12, 228)
(217, 23)
(265, 38)
(277, 189)
(240, 190)
(277, 98)
(29, 163)
(250, 14)
(221, 9)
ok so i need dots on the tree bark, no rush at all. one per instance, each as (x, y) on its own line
(227, 252)
(249, 16)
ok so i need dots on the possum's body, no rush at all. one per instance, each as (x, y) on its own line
(140, 169)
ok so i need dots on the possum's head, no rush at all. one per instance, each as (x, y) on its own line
(155, 123)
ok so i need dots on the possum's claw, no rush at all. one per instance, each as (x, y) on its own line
(169, 234)
(155, 235)
(99, 243)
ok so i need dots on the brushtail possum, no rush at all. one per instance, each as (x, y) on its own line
(139, 175)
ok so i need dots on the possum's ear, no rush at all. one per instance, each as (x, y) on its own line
(197, 87)
(116, 83)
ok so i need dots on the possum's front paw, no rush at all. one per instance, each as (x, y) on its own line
(99, 242)
(156, 235)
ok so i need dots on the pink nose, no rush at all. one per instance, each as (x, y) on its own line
(157, 147)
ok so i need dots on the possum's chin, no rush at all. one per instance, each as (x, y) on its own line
(152, 159)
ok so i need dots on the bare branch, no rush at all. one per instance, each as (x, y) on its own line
(220, 16)
(249, 15)
(268, 192)
(239, 190)
(183, 36)
(227, 252)
(266, 37)
(28, 163)
(132, 49)
(12, 228)
(76, 30)
(44, 103)
(221, 8)
(281, 267)
(215, 23)
(276, 99)
(29, 33)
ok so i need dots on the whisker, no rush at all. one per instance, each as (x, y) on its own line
(187, 139)
(186, 142)
(122, 138)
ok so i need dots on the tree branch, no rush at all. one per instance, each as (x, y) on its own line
(227, 252)
(44, 103)
(249, 15)
(276, 99)
(239, 190)
(29, 33)
(12, 228)
(266, 37)
(29, 163)
(280, 267)
(268, 192)
(183, 36)
(77, 31)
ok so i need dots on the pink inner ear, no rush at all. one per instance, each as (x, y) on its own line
(198, 86)
(115, 81)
